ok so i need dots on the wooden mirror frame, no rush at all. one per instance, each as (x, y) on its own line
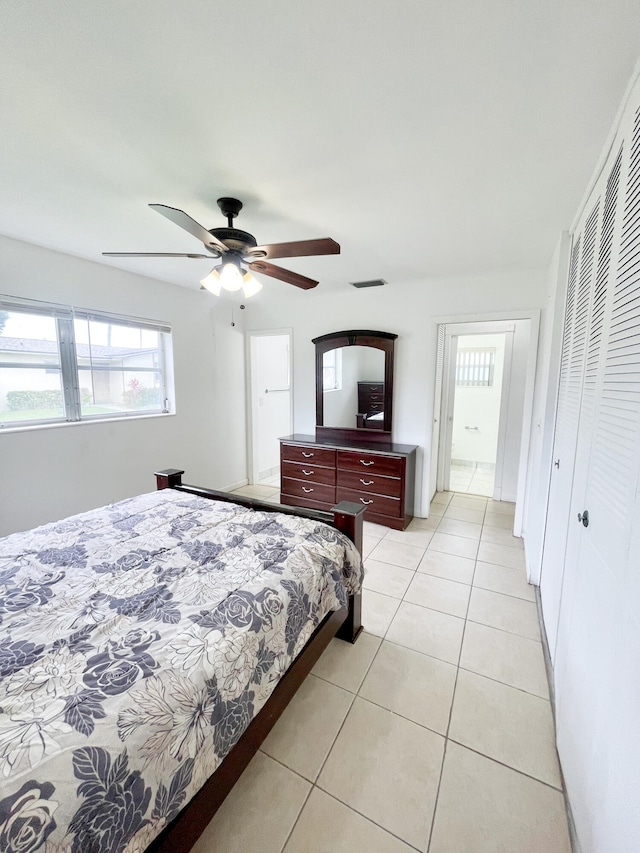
(384, 341)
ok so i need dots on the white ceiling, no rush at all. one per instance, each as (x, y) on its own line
(428, 137)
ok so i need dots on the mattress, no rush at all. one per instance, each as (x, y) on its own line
(137, 643)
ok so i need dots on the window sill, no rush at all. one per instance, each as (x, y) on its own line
(88, 421)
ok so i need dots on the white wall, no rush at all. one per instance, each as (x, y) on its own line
(516, 425)
(544, 408)
(478, 406)
(408, 309)
(49, 473)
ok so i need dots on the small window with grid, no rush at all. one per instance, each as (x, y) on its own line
(475, 367)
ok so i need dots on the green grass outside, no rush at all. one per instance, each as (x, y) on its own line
(48, 414)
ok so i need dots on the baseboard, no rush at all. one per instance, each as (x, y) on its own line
(573, 837)
(235, 486)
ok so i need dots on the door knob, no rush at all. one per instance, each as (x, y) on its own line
(584, 517)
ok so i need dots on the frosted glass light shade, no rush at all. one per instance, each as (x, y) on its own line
(230, 277)
(212, 282)
(250, 285)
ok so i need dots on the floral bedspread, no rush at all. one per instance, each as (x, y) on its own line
(137, 641)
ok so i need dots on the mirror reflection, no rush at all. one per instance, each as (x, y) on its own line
(353, 387)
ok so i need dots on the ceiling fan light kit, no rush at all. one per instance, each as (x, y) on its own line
(236, 247)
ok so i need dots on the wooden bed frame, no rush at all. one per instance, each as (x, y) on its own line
(182, 833)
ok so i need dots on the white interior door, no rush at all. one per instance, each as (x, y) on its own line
(446, 409)
(270, 400)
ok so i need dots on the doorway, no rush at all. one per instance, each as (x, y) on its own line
(483, 375)
(269, 402)
(475, 411)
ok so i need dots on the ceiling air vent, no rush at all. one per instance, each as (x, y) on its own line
(374, 282)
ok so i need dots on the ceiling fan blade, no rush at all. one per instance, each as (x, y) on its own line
(154, 255)
(179, 217)
(284, 275)
(301, 248)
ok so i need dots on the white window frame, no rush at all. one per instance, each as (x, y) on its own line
(64, 316)
(337, 370)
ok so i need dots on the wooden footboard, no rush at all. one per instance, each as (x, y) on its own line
(182, 833)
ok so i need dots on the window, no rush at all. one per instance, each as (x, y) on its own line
(332, 370)
(63, 364)
(475, 367)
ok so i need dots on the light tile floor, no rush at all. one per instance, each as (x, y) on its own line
(472, 479)
(433, 732)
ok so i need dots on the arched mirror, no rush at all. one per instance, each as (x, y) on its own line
(354, 385)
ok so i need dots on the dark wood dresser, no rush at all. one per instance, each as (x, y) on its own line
(320, 474)
(370, 397)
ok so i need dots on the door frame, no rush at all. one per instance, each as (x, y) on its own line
(527, 407)
(453, 331)
(252, 392)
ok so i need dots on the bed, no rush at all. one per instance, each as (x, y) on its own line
(147, 649)
(366, 421)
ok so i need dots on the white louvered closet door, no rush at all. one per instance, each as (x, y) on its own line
(597, 661)
(573, 359)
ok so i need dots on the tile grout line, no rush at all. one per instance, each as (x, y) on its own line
(453, 697)
(315, 784)
(504, 764)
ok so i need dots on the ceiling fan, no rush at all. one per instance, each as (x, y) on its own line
(234, 248)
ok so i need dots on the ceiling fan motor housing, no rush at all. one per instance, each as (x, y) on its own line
(234, 239)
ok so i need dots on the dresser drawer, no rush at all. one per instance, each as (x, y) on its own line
(363, 481)
(379, 504)
(302, 453)
(310, 472)
(371, 387)
(373, 463)
(311, 491)
(369, 398)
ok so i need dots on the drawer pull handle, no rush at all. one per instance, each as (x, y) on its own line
(307, 473)
(374, 398)
(367, 482)
(362, 501)
(305, 489)
(307, 455)
(367, 463)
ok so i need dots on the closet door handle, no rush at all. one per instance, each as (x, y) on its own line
(584, 517)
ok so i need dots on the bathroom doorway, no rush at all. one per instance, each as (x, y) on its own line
(270, 402)
(483, 378)
(475, 426)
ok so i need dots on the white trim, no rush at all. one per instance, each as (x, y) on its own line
(527, 416)
(504, 412)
